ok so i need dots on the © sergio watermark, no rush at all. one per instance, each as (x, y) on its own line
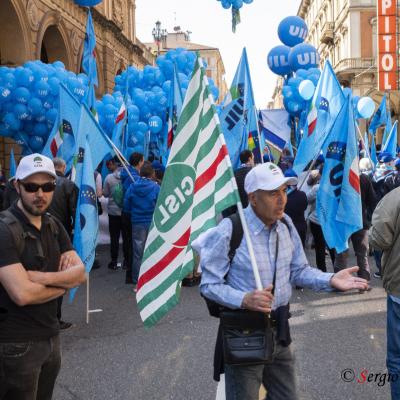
(363, 376)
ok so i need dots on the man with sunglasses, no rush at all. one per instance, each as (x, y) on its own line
(32, 276)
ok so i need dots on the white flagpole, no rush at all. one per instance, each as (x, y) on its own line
(259, 136)
(88, 310)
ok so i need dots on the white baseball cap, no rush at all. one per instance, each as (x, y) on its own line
(266, 177)
(34, 164)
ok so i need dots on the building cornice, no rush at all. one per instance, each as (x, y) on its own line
(116, 30)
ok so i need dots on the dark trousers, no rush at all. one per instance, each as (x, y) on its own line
(29, 370)
(278, 377)
(359, 240)
(114, 227)
(393, 346)
(320, 246)
(139, 237)
(126, 230)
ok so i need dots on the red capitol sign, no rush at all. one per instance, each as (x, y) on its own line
(387, 45)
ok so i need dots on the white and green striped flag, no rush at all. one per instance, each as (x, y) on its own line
(198, 184)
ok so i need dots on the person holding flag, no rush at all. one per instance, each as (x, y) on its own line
(228, 280)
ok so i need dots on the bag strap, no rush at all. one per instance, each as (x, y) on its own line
(15, 227)
(237, 235)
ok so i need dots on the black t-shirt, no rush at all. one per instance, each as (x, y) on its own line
(39, 321)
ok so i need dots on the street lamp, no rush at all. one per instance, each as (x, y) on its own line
(158, 35)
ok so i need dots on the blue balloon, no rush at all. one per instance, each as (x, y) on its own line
(51, 116)
(54, 84)
(58, 64)
(302, 73)
(36, 143)
(287, 91)
(143, 127)
(226, 4)
(11, 122)
(24, 77)
(155, 124)
(314, 78)
(292, 31)
(40, 129)
(366, 107)
(278, 60)
(35, 106)
(237, 4)
(42, 89)
(5, 94)
(306, 89)
(21, 111)
(294, 82)
(303, 56)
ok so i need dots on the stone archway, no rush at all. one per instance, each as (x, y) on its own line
(14, 49)
(53, 42)
(53, 47)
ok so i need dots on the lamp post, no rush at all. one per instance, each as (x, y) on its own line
(158, 35)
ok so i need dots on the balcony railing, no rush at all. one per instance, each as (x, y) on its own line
(327, 32)
(354, 64)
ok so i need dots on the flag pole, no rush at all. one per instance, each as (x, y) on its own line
(239, 204)
(259, 135)
(363, 142)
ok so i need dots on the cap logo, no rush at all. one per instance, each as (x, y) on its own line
(37, 159)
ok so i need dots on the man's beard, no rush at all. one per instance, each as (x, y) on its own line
(32, 210)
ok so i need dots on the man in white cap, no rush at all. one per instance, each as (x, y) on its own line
(229, 281)
(37, 265)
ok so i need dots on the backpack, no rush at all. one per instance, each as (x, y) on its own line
(118, 195)
(236, 238)
(18, 233)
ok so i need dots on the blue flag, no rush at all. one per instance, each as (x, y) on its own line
(89, 65)
(379, 118)
(62, 139)
(276, 128)
(325, 106)
(90, 131)
(175, 102)
(391, 143)
(13, 164)
(235, 121)
(388, 129)
(86, 218)
(374, 158)
(338, 198)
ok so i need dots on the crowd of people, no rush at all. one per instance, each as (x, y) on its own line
(39, 203)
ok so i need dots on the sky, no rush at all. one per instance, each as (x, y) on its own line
(210, 25)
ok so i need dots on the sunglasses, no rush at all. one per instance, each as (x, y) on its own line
(34, 187)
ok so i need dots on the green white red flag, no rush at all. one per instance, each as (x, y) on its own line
(198, 184)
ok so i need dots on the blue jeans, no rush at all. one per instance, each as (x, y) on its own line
(28, 370)
(278, 377)
(139, 237)
(393, 346)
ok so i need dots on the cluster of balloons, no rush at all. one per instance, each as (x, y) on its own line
(237, 4)
(29, 100)
(148, 94)
(297, 61)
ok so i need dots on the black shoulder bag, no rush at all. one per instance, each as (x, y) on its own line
(247, 336)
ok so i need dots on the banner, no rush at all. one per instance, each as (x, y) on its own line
(387, 45)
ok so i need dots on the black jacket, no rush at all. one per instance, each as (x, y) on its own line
(64, 202)
(369, 200)
(295, 207)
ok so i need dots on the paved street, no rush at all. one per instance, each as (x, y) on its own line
(115, 357)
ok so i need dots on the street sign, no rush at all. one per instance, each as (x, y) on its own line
(387, 45)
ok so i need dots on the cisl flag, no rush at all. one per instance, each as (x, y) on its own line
(198, 184)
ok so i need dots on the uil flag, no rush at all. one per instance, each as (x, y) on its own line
(62, 139)
(13, 164)
(338, 198)
(391, 142)
(175, 101)
(380, 117)
(120, 124)
(198, 184)
(374, 157)
(235, 118)
(325, 106)
(86, 218)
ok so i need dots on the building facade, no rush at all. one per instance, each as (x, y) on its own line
(215, 66)
(345, 32)
(51, 30)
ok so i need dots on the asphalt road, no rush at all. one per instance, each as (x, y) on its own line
(115, 357)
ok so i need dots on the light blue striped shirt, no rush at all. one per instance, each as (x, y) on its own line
(227, 283)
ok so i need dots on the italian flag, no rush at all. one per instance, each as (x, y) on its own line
(57, 141)
(121, 114)
(198, 184)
